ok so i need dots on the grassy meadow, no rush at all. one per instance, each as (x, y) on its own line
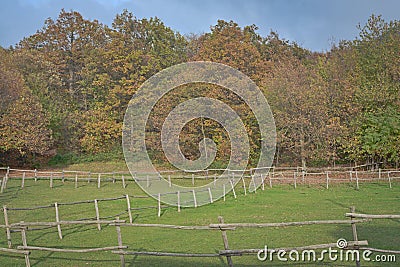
(282, 203)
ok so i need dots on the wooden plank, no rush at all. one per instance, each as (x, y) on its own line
(283, 224)
(166, 254)
(87, 250)
(373, 216)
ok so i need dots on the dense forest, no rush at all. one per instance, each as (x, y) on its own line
(64, 90)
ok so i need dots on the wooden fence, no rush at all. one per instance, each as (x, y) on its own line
(268, 177)
(122, 250)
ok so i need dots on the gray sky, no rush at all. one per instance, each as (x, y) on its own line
(314, 24)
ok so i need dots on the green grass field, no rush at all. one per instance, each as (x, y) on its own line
(279, 204)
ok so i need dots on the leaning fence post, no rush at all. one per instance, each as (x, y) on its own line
(58, 221)
(128, 203)
(25, 244)
(96, 207)
(8, 233)
(119, 236)
(354, 230)
(225, 240)
(233, 188)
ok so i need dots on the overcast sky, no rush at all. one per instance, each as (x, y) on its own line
(314, 24)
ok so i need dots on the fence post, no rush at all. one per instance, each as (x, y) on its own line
(25, 244)
(113, 177)
(192, 178)
(225, 240)
(357, 187)
(379, 174)
(327, 180)
(147, 181)
(128, 204)
(76, 180)
(262, 182)
(270, 180)
(210, 194)
(354, 230)
(119, 236)
(62, 176)
(123, 181)
(215, 178)
(244, 185)
(224, 191)
(7, 176)
(58, 221)
(35, 175)
(390, 182)
(233, 188)
(194, 199)
(159, 205)
(23, 180)
(99, 180)
(179, 201)
(169, 180)
(254, 183)
(51, 180)
(8, 233)
(295, 179)
(96, 207)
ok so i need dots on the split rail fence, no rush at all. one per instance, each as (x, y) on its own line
(269, 176)
(122, 249)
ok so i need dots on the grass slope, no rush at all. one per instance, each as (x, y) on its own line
(279, 204)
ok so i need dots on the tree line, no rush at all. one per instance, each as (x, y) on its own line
(64, 90)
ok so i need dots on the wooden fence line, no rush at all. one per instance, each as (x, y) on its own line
(285, 175)
(227, 252)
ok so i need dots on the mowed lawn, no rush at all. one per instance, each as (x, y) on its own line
(278, 204)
